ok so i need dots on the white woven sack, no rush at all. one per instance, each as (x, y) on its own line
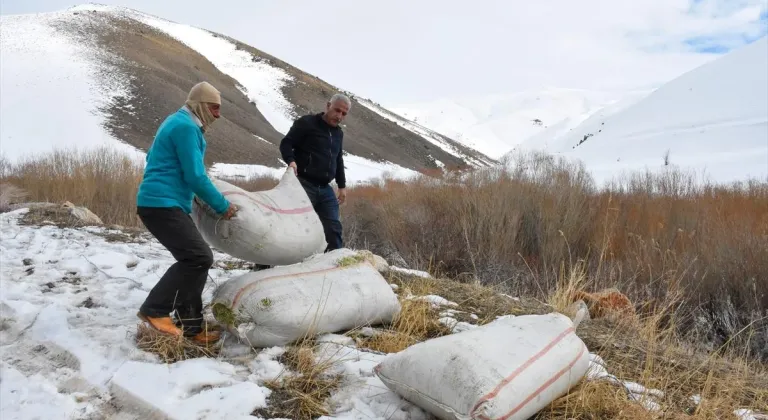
(273, 227)
(336, 291)
(508, 369)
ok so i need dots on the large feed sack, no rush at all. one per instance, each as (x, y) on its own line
(337, 291)
(508, 369)
(273, 227)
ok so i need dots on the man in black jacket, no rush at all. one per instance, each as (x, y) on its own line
(313, 148)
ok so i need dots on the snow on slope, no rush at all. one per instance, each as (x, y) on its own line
(261, 82)
(52, 88)
(429, 135)
(495, 124)
(713, 119)
(547, 140)
(357, 169)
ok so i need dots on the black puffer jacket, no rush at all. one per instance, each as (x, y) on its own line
(316, 148)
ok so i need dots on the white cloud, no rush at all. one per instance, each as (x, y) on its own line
(400, 51)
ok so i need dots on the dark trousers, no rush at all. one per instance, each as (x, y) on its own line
(326, 205)
(181, 287)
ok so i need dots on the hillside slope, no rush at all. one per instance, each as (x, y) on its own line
(712, 119)
(495, 124)
(124, 71)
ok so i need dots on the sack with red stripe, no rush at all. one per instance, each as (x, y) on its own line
(272, 227)
(508, 369)
(337, 291)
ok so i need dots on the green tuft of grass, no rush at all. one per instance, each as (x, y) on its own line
(351, 260)
(224, 314)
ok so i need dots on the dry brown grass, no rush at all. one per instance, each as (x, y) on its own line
(302, 390)
(9, 195)
(416, 322)
(646, 348)
(645, 351)
(103, 180)
(648, 236)
(171, 349)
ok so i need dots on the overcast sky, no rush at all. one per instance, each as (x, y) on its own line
(403, 51)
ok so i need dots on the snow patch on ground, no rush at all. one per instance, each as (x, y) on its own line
(410, 272)
(435, 301)
(648, 398)
(746, 414)
(358, 170)
(361, 170)
(43, 58)
(198, 388)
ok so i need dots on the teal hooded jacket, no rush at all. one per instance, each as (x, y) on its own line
(175, 171)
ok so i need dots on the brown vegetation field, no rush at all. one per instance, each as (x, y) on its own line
(657, 238)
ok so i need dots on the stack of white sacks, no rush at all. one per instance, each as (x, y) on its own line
(508, 369)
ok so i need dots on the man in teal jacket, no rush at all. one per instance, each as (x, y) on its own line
(174, 174)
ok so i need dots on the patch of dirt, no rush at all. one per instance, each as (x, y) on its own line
(278, 403)
(88, 303)
(124, 235)
(485, 302)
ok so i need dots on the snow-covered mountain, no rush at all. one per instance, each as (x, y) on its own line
(713, 119)
(495, 124)
(98, 75)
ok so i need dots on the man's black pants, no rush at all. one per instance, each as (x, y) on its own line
(326, 206)
(181, 287)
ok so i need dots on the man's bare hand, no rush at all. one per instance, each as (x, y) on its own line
(230, 212)
(342, 195)
(295, 170)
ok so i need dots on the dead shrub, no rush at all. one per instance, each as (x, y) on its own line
(9, 195)
(646, 235)
(301, 392)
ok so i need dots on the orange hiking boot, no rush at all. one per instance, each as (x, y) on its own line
(164, 324)
(207, 337)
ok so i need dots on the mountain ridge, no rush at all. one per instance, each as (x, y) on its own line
(157, 61)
